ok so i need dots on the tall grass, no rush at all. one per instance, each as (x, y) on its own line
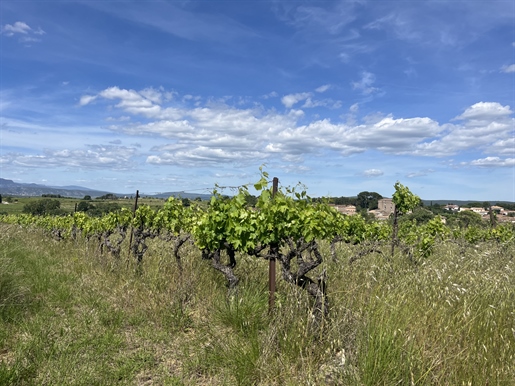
(69, 316)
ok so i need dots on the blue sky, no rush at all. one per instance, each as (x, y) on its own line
(343, 96)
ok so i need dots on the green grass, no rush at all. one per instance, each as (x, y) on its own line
(14, 205)
(69, 316)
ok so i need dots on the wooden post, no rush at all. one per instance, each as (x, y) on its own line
(271, 261)
(133, 213)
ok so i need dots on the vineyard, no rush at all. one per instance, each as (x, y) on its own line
(358, 301)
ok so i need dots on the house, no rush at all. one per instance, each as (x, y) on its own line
(345, 209)
(379, 215)
(497, 209)
(451, 207)
(481, 211)
(386, 206)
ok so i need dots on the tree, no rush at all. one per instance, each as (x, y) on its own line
(506, 205)
(84, 206)
(45, 206)
(108, 196)
(465, 219)
(87, 197)
(420, 215)
(342, 200)
(101, 208)
(367, 200)
(474, 204)
(404, 201)
(437, 209)
(251, 200)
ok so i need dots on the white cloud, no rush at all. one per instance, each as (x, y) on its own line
(93, 157)
(365, 84)
(18, 27)
(485, 125)
(494, 162)
(503, 146)
(23, 30)
(272, 94)
(129, 98)
(329, 103)
(323, 88)
(204, 156)
(348, 51)
(292, 99)
(373, 173)
(217, 132)
(399, 22)
(179, 21)
(86, 99)
(29, 39)
(318, 19)
(388, 135)
(431, 23)
(123, 118)
(152, 95)
(508, 69)
(420, 173)
(485, 111)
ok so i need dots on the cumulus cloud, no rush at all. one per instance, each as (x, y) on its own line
(505, 146)
(292, 99)
(309, 101)
(218, 133)
(21, 29)
(485, 111)
(204, 156)
(508, 69)
(18, 27)
(483, 125)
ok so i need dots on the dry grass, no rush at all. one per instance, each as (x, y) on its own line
(80, 318)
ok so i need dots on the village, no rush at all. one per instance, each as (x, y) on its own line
(386, 207)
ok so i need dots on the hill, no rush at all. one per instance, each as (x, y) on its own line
(11, 188)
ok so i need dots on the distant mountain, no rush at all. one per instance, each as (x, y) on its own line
(11, 188)
(72, 187)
